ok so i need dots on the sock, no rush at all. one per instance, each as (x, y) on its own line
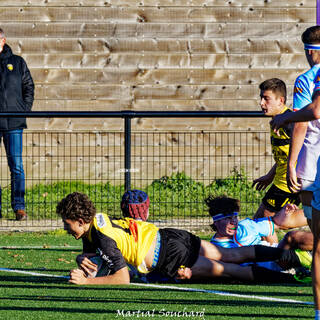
(307, 212)
(285, 257)
(261, 274)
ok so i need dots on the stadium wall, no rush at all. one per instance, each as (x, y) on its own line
(151, 55)
(156, 55)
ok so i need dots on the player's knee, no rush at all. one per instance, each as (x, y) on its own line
(292, 239)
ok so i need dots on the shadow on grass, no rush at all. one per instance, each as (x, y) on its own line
(156, 301)
(50, 280)
(128, 293)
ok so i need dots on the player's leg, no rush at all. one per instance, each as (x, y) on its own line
(205, 269)
(297, 239)
(315, 225)
(267, 209)
(306, 198)
(288, 218)
(263, 212)
(248, 254)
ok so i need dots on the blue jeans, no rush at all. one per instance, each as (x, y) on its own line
(12, 140)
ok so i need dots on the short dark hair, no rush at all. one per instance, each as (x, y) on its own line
(277, 86)
(222, 205)
(311, 35)
(76, 206)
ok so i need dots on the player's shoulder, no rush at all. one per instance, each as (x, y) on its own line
(101, 221)
(244, 227)
(317, 81)
(317, 75)
(309, 75)
(246, 223)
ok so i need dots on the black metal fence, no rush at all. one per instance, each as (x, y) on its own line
(177, 169)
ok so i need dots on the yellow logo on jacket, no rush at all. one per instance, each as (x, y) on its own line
(10, 67)
(271, 201)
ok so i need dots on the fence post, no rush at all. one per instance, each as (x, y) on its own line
(127, 153)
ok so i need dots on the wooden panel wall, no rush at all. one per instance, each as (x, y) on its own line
(156, 55)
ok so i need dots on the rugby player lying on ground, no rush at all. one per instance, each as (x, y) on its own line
(232, 233)
(173, 252)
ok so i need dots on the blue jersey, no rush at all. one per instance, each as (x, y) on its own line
(310, 151)
(249, 232)
(303, 88)
(317, 80)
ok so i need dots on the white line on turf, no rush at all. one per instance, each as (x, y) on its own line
(33, 273)
(150, 285)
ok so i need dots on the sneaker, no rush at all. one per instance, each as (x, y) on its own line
(303, 275)
(21, 215)
(305, 258)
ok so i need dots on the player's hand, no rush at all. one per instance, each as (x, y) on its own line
(277, 122)
(86, 264)
(77, 276)
(184, 273)
(292, 181)
(262, 182)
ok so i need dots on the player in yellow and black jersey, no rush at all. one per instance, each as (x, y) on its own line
(172, 252)
(273, 98)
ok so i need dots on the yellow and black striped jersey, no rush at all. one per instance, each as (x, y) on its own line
(280, 150)
(120, 241)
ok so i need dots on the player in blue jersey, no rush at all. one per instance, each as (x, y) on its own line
(311, 40)
(232, 233)
(305, 140)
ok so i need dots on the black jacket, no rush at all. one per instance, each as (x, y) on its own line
(16, 89)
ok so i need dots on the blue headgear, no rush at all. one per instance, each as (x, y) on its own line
(135, 204)
(308, 46)
(221, 216)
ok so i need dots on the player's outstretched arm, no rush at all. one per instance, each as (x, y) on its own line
(77, 276)
(308, 113)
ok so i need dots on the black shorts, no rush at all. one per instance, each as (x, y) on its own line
(275, 199)
(178, 247)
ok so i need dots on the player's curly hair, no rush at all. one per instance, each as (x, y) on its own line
(223, 205)
(76, 205)
(311, 35)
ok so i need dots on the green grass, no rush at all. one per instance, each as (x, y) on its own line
(31, 297)
(174, 196)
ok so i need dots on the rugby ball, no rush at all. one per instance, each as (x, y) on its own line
(103, 269)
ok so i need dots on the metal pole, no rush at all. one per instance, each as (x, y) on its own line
(127, 153)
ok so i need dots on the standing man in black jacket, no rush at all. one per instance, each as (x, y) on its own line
(16, 95)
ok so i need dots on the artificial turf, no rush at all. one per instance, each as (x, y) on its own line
(26, 296)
